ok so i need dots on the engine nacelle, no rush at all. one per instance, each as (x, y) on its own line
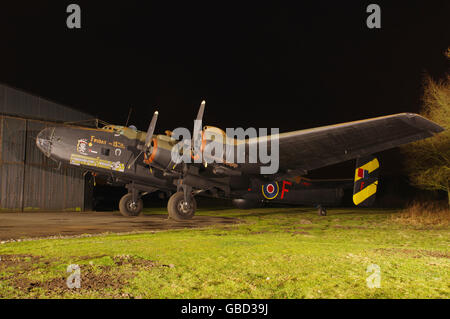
(161, 152)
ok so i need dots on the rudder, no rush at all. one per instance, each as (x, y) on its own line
(366, 180)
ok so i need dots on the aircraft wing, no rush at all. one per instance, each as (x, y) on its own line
(322, 146)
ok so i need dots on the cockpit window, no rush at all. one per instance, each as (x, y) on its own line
(113, 128)
(105, 151)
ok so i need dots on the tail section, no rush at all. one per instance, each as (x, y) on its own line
(366, 181)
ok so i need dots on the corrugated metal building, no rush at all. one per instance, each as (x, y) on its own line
(29, 180)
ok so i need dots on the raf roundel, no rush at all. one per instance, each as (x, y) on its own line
(270, 191)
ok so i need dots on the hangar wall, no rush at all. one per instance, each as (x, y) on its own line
(28, 180)
(16, 102)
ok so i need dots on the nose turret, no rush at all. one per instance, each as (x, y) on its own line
(44, 140)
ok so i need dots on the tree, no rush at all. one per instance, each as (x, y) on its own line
(428, 161)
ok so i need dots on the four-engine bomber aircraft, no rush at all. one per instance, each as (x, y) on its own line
(143, 162)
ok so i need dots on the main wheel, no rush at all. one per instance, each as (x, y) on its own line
(128, 207)
(179, 209)
(321, 211)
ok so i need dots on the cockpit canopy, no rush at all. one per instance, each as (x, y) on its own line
(116, 128)
(119, 128)
(130, 132)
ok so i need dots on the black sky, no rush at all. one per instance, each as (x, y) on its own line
(259, 65)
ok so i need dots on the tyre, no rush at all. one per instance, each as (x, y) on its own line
(321, 211)
(178, 209)
(129, 208)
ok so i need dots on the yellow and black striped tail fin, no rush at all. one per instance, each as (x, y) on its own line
(366, 181)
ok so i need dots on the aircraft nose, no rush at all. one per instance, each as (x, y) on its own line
(44, 140)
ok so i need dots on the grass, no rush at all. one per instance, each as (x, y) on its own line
(273, 253)
(424, 214)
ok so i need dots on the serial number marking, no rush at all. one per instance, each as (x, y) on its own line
(231, 308)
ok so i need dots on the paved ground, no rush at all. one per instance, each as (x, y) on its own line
(31, 225)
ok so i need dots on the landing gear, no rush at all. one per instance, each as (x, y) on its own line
(181, 209)
(321, 211)
(129, 206)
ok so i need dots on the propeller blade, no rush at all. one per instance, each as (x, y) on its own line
(151, 129)
(148, 138)
(201, 111)
(196, 137)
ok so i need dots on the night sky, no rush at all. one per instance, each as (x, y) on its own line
(291, 67)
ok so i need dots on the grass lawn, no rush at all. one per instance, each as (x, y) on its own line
(273, 253)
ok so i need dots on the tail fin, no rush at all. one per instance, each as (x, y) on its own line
(366, 180)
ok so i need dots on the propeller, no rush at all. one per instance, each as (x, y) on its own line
(196, 137)
(148, 138)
